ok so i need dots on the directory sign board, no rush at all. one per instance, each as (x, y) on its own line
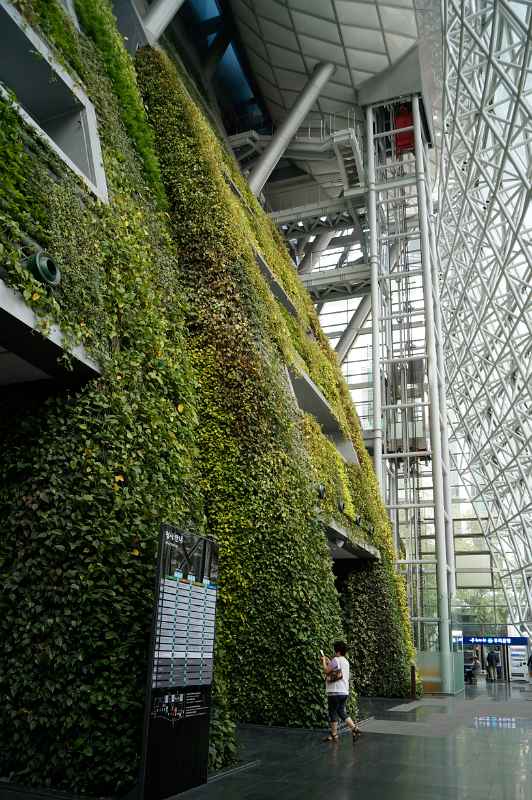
(181, 665)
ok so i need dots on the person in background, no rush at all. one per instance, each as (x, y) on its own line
(492, 660)
(529, 665)
(336, 672)
(473, 670)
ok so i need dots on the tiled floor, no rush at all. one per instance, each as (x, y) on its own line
(474, 747)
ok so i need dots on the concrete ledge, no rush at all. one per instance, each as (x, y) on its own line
(275, 287)
(311, 400)
(369, 438)
(49, 100)
(29, 355)
(343, 545)
(236, 191)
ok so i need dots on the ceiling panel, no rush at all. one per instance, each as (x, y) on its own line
(278, 34)
(254, 42)
(398, 20)
(369, 62)
(321, 8)
(360, 38)
(363, 14)
(271, 9)
(315, 26)
(246, 15)
(291, 80)
(270, 91)
(398, 45)
(359, 76)
(261, 67)
(339, 92)
(324, 51)
(366, 38)
(286, 39)
(285, 59)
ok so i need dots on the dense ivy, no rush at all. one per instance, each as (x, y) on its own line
(374, 623)
(217, 235)
(279, 605)
(192, 421)
(87, 478)
(96, 17)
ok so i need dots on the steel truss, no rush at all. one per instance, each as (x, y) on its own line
(484, 245)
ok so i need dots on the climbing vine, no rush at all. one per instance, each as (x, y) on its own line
(87, 478)
(277, 591)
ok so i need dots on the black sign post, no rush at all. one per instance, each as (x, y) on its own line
(178, 696)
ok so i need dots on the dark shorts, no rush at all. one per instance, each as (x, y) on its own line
(337, 707)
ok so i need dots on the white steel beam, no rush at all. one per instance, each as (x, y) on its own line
(288, 128)
(159, 16)
(375, 299)
(434, 411)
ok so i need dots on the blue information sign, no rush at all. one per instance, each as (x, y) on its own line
(515, 640)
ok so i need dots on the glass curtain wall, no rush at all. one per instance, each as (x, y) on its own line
(484, 243)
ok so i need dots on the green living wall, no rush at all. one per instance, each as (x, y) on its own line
(192, 422)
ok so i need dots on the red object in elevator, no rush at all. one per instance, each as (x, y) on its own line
(404, 142)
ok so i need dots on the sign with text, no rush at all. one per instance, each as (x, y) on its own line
(181, 665)
(515, 640)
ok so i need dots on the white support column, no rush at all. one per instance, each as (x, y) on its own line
(449, 533)
(286, 132)
(434, 411)
(314, 250)
(343, 258)
(375, 302)
(358, 320)
(159, 16)
(349, 336)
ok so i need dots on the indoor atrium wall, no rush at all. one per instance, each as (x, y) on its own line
(193, 421)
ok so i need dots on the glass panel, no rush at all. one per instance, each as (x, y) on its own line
(473, 562)
(465, 580)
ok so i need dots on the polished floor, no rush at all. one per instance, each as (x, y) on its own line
(473, 747)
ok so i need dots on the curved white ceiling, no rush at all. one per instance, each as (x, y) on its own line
(285, 39)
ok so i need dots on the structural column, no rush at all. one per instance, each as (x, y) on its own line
(348, 337)
(318, 246)
(358, 320)
(287, 130)
(375, 304)
(159, 16)
(449, 533)
(434, 411)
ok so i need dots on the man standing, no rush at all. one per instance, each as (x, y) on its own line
(337, 687)
(492, 665)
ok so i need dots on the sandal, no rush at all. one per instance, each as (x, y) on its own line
(331, 738)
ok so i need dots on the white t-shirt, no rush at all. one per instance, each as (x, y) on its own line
(342, 686)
